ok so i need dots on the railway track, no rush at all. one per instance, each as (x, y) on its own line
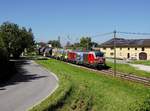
(110, 72)
(126, 76)
(130, 77)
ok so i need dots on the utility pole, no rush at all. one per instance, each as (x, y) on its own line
(59, 39)
(114, 53)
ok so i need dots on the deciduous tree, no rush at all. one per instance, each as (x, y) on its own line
(16, 39)
(55, 43)
(86, 42)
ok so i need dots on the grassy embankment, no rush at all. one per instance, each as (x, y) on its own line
(144, 62)
(83, 90)
(126, 68)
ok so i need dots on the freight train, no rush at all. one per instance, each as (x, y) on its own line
(94, 59)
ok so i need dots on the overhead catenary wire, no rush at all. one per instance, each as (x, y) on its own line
(92, 36)
(102, 34)
(109, 34)
(133, 33)
(130, 36)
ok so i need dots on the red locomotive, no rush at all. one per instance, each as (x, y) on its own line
(94, 58)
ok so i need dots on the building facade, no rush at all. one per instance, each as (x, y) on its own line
(138, 49)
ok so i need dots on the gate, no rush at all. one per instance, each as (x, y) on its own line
(143, 56)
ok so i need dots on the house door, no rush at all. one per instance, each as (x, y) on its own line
(128, 55)
(143, 56)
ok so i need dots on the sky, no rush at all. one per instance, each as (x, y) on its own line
(72, 19)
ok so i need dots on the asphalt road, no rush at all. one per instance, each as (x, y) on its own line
(28, 87)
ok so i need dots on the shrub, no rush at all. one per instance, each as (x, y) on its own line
(3, 59)
(3, 52)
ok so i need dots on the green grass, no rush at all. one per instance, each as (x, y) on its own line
(126, 68)
(35, 57)
(83, 90)
(144, 62)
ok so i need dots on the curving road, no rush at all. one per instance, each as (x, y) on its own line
(28, 87)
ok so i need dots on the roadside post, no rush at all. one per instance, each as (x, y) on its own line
(114, 53)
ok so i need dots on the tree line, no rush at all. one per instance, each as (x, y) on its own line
(85, 43)
(15, 38)
(13, 41)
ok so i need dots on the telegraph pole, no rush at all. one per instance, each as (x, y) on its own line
(114, 53)
(59, 39)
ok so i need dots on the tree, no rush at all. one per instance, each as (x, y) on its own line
(28, 42)
(8, 33)
(16, 39)
(3, 60)
(94, 44)
(85, 42)
(3, 52)
(55, 43)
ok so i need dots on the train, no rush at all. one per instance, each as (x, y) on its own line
(94, 59)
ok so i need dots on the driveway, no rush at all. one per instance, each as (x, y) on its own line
(138, 66)
(117, 61)
(141, 67)
(28, 87)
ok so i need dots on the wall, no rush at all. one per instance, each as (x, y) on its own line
(122, 52)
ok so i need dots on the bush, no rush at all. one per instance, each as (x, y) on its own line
(3, 52)
(3, 60)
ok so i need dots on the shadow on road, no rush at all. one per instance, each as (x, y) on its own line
(21, 74)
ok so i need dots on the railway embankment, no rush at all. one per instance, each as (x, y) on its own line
(89, 90)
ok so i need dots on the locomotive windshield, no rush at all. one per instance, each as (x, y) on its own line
(99, 54)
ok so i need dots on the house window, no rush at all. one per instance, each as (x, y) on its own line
(135, 48)
(143, 48)
(111, 53)
(128, 48)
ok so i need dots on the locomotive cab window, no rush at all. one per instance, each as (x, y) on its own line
(99, 54)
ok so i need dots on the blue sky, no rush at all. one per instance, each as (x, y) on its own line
(76, 18)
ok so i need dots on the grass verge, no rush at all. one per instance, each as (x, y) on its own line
(143, 62)
(91, 91)
(126, 68)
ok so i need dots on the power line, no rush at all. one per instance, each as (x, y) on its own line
(103, 34)
(109, 33)
(129, 36)
(94, 36)
(133, 33)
